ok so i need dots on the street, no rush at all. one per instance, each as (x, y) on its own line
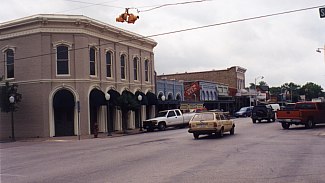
(261, 152)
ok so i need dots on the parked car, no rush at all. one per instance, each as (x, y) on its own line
(167, 118)
(263, 112)
(208, 123)
(244, 112)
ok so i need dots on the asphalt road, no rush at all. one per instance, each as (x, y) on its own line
(261, 152)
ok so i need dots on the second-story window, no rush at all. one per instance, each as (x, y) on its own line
(136, 68)
(123, 67)
(92, 59)
(62, 60)
(10, 59)
(146, 70)
(108, 64)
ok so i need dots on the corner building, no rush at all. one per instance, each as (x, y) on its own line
(60, 61)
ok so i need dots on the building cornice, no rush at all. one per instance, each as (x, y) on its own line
(47, 23)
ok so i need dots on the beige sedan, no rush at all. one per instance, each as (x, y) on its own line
(208, 123)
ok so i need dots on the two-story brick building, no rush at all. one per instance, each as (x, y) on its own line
(60, 61)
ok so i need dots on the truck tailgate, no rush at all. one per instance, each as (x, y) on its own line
(288, 114)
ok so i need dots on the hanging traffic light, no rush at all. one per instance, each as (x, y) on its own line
(122, 18)
(132, 18)
(127, 17)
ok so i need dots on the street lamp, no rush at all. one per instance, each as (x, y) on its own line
(163, 98)
(107, 97)
(259, 77)
(140, 119)
(12, 103)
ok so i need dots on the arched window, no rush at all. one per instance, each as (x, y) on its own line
(10, 61)
(136, 68)
(170, 96)
(62, 60)
(92, 60)
(178, 97)
(109, 59)
(123, 67)
(211, 94)
(203, 95)
(146, 70)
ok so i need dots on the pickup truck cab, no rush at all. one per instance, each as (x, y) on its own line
(167, 118)
(304, 113)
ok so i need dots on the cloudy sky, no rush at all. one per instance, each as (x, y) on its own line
(281, 48)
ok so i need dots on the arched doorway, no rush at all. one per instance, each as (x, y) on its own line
(63, 104)
(111, 118)
(96, 99)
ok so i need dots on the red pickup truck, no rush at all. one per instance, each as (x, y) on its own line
(304, 113)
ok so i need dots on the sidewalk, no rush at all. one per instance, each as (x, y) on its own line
(75, 137)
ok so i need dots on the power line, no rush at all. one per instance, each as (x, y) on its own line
(184, 30)
(174, 4)
(89, 5)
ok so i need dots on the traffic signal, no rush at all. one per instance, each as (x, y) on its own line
(122, 18)
(132, 18)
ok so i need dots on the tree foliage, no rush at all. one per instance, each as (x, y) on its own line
(311, 90)
(126, 102)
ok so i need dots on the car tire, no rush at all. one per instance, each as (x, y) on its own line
(310, 124)
(162, 126)
(254, 120)
(196, 135)
(232, 131)
(285, 126)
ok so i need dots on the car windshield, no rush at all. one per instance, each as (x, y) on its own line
(243, 109)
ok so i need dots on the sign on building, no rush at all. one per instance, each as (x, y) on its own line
(322, 12)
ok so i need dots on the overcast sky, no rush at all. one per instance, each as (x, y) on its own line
(280, 48)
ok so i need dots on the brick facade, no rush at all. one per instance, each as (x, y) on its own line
(234, 77)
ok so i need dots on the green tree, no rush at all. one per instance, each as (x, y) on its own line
(291, 91)
(126, 102)
(311, 90)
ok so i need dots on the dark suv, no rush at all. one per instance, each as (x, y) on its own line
(263, 112)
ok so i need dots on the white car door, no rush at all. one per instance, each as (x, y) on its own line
(172, 118)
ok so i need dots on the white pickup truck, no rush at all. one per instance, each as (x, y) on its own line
(167, 118)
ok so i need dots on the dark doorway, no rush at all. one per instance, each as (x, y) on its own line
(63, 104)
(96, 99)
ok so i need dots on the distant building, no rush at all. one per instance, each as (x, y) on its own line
(61, 60)
(234, 77)
(170, 93)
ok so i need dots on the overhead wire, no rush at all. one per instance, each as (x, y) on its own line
(89, 5)
(183, 30)
(173, 4)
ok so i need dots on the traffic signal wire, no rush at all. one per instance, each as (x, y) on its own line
(182, 30)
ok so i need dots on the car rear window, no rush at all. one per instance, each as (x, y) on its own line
(305, 106)
(203, 117)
